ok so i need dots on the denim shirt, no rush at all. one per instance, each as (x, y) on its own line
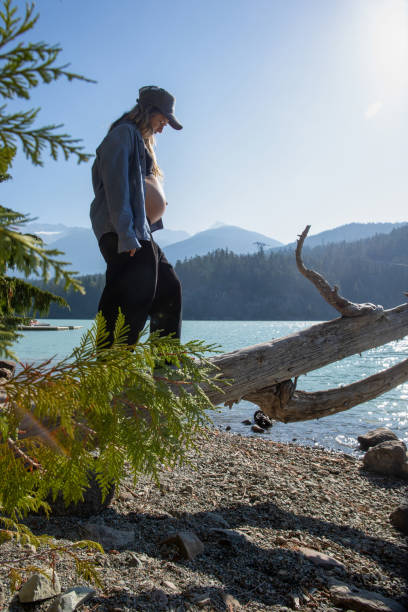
(118, 174)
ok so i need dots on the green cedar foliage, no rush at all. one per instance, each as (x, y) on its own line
(103, 407)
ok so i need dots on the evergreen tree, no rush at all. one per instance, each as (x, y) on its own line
(23, 66)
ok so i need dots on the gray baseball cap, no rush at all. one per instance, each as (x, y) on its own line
(150, 95)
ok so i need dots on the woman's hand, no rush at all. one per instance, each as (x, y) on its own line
(132, 252)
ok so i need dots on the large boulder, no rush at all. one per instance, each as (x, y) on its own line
(376, 436)
(387, 458)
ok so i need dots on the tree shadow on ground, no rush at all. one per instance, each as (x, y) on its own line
(248, 566)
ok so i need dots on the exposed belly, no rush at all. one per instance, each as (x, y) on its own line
(155, 200)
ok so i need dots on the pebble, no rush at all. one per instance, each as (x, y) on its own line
(126, 496)
(71, 599)
(257, 429)
(187, 542)
(362, 600)
(132, 560)
(320, 559)
(108, 537)
(230, 602)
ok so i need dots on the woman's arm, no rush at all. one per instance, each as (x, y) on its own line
(114, 155)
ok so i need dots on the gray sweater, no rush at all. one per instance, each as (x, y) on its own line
(118, 175)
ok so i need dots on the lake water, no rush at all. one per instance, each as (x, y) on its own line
(336, 432)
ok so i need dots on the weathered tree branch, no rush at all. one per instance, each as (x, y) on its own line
(264, 365)
(330, 294)
(302, 406)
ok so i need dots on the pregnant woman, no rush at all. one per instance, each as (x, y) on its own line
(128, 206)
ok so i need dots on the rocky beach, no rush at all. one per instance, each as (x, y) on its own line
(248, 524)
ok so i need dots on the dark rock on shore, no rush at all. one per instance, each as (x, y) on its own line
(376, 436)
(262, 420)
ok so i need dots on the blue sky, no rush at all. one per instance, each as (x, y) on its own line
(294, 112)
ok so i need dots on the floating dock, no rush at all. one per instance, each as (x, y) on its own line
(48, 327)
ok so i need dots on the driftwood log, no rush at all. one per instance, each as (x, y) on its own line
(263, 373)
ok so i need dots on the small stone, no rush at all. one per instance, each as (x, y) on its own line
(262, 420)
(201, 599)
(320, 559)
(71, 599)
(230, 602)
(215, 518)
(361, 600)
(187, 542)
(399, 518)
(170, 585)
(375, 436)
(246, 422)
(388, 458)
(206, 601)
(231, 537)
(257, 429)
(132, 560)
(126, 496)
(39, 587)
(228, 428)
(109, 538)
(188, 489)
(294, 601)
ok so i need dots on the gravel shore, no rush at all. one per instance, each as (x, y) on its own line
(254, 505)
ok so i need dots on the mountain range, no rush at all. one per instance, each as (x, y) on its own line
(80, 247)
(263, 286)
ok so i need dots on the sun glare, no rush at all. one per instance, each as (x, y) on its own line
(389, 43)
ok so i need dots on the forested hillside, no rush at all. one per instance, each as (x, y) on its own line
(267, 286)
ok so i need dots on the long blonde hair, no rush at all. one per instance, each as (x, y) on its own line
(141, 116)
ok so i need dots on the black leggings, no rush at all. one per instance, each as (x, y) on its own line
(141, 286)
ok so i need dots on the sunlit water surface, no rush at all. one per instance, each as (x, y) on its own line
(337, 432)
